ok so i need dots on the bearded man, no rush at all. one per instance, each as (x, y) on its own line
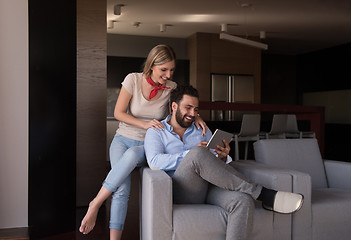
(202, 175)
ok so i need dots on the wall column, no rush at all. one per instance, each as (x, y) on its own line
(91, 98)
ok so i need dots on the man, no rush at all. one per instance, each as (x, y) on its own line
(200, 175)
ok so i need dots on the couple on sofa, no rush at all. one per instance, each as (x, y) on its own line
(180, 150)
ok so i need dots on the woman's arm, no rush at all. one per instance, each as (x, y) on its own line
(121, 114)
(199, 122)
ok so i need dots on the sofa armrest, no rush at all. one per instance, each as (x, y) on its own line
(273, 179)
(300, 183)
(265, 176)
(156, 205)
(338, 174)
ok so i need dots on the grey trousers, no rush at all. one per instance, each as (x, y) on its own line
(203, 178)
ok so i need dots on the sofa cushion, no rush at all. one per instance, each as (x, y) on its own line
(331, 210)
(299, 154)
(199, 222)
(213, 224)
(263, 224)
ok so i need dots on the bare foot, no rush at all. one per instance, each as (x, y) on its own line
(89, 220)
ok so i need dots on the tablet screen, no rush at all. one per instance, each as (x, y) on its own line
(217, 138)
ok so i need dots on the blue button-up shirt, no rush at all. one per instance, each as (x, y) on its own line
(165, 150)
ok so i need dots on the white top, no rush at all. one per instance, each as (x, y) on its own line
(141, 108)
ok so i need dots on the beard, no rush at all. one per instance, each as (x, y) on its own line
(181, 119)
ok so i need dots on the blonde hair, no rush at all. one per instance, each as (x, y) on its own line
(158, 55)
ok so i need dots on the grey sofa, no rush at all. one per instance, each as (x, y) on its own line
(325, 184)
(162, 220)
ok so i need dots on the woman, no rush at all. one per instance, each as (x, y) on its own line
(142, 102)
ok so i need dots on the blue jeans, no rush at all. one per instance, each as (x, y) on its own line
(125, 155)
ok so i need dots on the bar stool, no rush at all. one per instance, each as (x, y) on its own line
(292, 130)
(249, 131)
(278, 128)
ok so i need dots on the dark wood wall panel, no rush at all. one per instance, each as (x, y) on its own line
(52, 117)
(325, 70)
(328, 70)
(208, 54)
(91, 98)
(319, 71)
(278, 84)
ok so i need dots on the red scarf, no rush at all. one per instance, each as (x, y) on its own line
(156, 88)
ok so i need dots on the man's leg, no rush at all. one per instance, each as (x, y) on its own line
(198, 168)
(188, 186)
(240, 207)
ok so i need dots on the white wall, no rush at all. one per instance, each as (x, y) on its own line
(13, 113)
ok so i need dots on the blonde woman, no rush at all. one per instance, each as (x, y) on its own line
(142, 102)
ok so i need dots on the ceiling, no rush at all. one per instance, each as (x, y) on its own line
(291, 26)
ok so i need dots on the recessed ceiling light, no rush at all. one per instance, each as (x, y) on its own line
(246, 5)
(136, 24)
(117, 10)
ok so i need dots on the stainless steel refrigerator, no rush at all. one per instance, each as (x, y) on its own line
(231, 88)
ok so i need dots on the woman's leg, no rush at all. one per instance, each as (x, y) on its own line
(115, 234)
(123, 164)
(119, 201)
(89, 219)
(118, 147)
(119, 207)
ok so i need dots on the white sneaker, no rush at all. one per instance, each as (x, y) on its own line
(286, 202)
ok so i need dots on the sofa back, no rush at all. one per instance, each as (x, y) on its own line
(298, 154)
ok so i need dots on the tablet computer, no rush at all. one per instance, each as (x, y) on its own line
(217, 138)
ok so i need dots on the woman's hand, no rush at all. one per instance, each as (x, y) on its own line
(200, 123)
(154, 123)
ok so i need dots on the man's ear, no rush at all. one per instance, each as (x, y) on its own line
(174, 106)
